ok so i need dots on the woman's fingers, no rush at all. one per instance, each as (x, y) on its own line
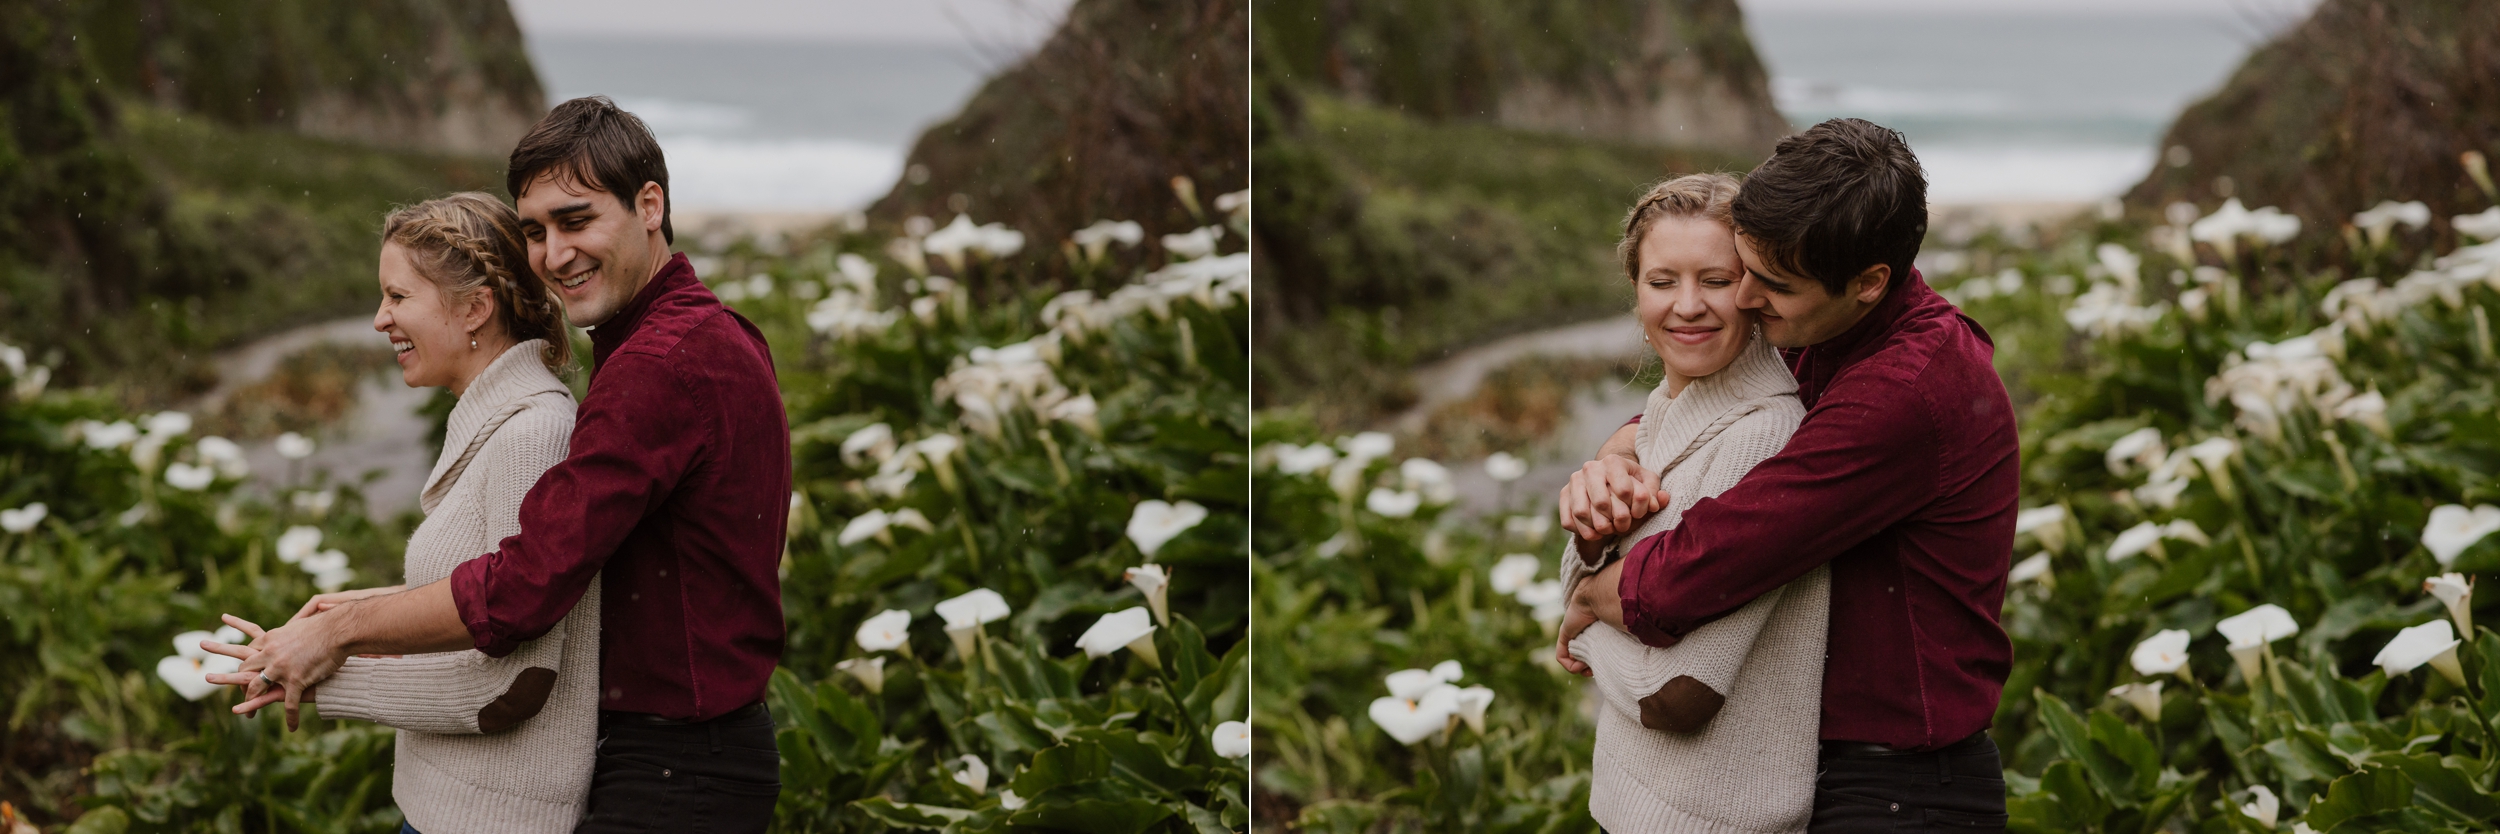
(253, 705)
(229, 649)
(243, 625)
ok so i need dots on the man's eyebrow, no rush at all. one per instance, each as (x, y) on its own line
(574, 208)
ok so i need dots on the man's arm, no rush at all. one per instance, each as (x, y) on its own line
(303, 653)
(1859, 465)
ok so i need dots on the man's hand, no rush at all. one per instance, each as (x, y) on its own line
(294, 657)
(1608, 497)
(251, 705)
(1594, 600)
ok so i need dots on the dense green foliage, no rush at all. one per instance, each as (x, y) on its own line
(2210, 430)
(1035, 504)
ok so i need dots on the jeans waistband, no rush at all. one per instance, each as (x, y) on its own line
(644, 719)
(1977, 744)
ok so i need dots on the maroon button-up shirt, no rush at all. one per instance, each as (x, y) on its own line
(1904, 479)
(678, 486)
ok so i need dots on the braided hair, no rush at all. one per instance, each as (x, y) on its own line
(1707, 196)
(470, 242)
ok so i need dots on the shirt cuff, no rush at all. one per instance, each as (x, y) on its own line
(470, 584)
(1641, 613)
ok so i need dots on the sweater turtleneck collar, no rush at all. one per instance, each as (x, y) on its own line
(517, 373)
(1673, 421)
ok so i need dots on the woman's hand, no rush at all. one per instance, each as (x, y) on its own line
(250, 705)
(1593, 600)
(325, 602)
(1609, 497)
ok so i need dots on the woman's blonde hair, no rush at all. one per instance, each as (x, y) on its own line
(470, 242)
(1707, 196)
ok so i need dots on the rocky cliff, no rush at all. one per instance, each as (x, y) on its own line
(1126, 95)
(1678, 73)
(2365, 101)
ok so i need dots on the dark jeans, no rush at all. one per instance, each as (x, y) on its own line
(1958, 788)
(718, 776)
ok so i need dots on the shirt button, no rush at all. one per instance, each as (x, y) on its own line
(1896, 807)
(667, 773)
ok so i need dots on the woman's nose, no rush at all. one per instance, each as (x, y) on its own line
(1688, 303)
(381, 319)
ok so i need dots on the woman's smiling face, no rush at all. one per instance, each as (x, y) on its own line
(1687, 294)
(429, 338)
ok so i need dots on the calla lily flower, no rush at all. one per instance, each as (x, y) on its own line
(2046, 524)
(314, 503)
(964, 616)
(23, 518)
(869, 525)
(975, 773)
(1130, 628)
(1545, 601)
(1472, 702)
(2262, 805)
(2135, 540)
(2250, 631)
(886, 631)
(1505, 467)
(2036, 567)
(2144, 696)
(225, 455)
(1231, 739)
(1303, 460)
(1428, 478)
(1368, 446)
(1155, 523)
(2455, 590)
(168, 423)
(1514, 572)
(2213, 454)
(869, 670)
(873, 442)
(1448, 671)
(1413, 720)
(329, 570)
(1391, 503)
(1156, 584)
(1008, 799)
(188, 668)
(1078, 411)
(298, 542)
(1193, 244)
(1411, 684)
(2161, 654)
(2368, 409)
(2434, 642)
(294, 446)
(1528, 527)
(189, 478)
(2139, 449)
(114, 435)
(2453, 528)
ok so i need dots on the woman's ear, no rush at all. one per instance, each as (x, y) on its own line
(481, 312)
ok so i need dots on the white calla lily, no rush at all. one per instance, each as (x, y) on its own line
(886, 631)
(1131, 628)
(1231, 739)
(298, 542)
(2027, 570)
(1514, 572)
(2161, 654)
(1505, 467)
(2144, 696)
(1156, 584)
(974, 774)
(2452, 528)
(2250, 631)
(1390, 503)
(869, 670)
(2046, 524)
(23, 518)
(2456, 591)
(1472, 703)
(294, 446)
(2434, 643)
(2263, 806)
(1155, 523)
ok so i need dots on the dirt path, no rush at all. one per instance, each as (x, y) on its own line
(383, 432)
(1595, 412)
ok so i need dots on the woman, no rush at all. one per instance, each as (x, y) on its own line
(485, 744)
(1717, 733)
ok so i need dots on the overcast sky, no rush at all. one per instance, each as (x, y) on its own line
(1018, 24)
(976, 23)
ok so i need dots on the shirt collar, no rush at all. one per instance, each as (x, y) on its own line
(1897, 303)
(607, 337)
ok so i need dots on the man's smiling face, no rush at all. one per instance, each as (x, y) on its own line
(596, 250)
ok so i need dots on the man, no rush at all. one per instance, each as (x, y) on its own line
(677, 486)
(1903, 478)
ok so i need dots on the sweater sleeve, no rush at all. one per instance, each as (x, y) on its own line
(467, 692)
(1680, 687)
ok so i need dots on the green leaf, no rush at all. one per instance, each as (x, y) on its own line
(1092, 807)
(907, 815)
(1066, 764)
(105, 820)
(2372, 791)
(2447, 786)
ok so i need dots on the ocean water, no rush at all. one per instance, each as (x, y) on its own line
(771, 125)
(2007, 106)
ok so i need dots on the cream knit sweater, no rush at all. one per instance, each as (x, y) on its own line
(1750, 767)
(488, 744)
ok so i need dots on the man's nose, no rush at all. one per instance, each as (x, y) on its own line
(1749, 294)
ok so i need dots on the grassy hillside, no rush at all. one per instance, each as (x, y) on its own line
(1387, 240)
(147, 218)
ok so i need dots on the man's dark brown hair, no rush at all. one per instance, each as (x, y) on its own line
(592, 141)
(1842, 196)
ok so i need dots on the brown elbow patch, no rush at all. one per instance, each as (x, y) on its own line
(1684, 705)
(527, 696)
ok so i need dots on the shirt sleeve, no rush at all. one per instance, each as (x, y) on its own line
(638, 433)
(1857, 465)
